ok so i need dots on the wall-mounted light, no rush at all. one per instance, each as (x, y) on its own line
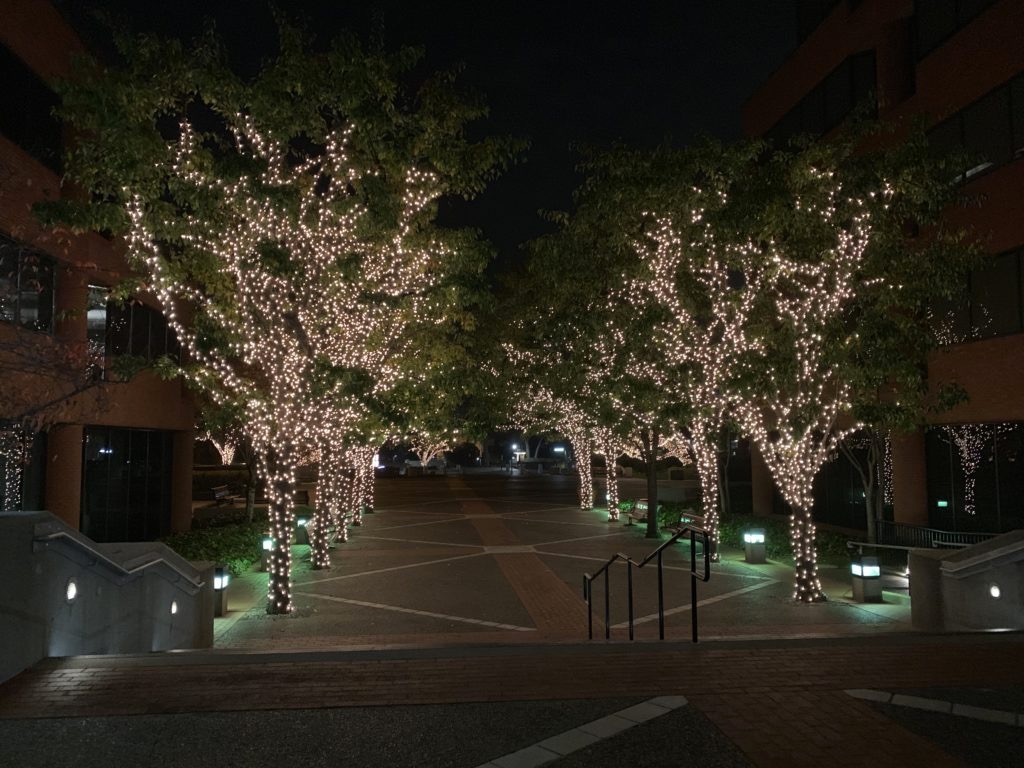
(994, 591)
(71, 590)
(174, 607)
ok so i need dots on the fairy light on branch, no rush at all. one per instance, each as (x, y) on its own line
(301, 292)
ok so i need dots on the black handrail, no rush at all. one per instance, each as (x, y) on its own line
(703, 575)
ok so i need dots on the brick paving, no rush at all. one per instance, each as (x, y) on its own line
(517, 559)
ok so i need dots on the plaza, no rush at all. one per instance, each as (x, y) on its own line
(452, 631)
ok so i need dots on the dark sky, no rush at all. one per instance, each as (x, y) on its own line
(556, 72)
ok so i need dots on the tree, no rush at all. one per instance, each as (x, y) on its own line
(286, 224)
(840, 333)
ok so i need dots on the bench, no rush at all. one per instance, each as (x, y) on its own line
(638, 513)
(222, 495)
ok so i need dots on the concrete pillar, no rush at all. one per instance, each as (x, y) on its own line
(64, 473)
(909, 479)
(70, 297)
(761, 484)
(181, 480)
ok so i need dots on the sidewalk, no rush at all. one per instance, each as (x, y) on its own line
(450, 631)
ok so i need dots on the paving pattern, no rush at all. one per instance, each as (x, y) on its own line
(465, 593)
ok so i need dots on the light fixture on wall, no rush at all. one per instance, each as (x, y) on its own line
(994, 591)
(174, 607)
(71, 591)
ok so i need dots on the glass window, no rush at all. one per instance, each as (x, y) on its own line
(936, 20)
(1017, 114)
(995, 298)
(127, 476)
(119, 325)
(140, 331)
(26, 286)
(987, 136)
(27, 118)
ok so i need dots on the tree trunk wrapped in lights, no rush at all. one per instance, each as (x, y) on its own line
(608, 445)
(294, 228)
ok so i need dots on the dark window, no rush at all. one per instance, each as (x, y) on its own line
(810, 13)
(1017, 114)
(845, 88)
(26, 286)
(995, 297)
(126, 484)
(27, 117)
(979, 491)
(987, 136)
(937, 20)
(137, 330)
(990, 131)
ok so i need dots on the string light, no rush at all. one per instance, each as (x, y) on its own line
(301, 293)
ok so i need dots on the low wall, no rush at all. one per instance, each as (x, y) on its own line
(128, 598)
(974, 588)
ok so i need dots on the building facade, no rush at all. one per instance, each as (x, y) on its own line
(111, 458)
(958, 64)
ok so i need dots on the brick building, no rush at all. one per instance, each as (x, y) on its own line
(960, 65)
(117, 460)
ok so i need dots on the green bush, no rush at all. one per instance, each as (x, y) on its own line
(831, 545)
(236, 546)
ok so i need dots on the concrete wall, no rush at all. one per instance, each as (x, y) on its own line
(123, 603)
(951, 590)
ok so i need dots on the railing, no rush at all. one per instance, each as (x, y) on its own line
(916, 536)
(185, 575)
(695, 534)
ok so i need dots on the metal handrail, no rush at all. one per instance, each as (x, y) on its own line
(113, 564)
(703, 575)
(908, 535)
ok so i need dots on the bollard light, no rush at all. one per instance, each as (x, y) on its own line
(302, 530)
(754, 546)
(221, 577)
(867, 580)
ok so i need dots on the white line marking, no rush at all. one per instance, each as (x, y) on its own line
(575, 739)
(456, 516)
(430, 614)
(422, 541)
(681, 568)
(700, 604)
(388, 570)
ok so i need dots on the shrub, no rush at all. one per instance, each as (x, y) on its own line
(236, 546)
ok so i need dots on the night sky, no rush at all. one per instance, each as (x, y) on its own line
(556, 73)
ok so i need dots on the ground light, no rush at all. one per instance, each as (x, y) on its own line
(867, 580)
(221, 578)
(754, 546)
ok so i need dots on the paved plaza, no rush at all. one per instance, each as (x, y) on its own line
(451, 632)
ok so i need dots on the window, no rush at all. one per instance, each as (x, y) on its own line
(937, 20)
(989, 131)
(995, 297)
(26, 287)
(995, 305)
(845, 88)
(27, 117)
(810, 14)
(138, 330)
(126, 484)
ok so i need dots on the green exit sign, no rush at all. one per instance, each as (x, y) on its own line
(942, 503)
